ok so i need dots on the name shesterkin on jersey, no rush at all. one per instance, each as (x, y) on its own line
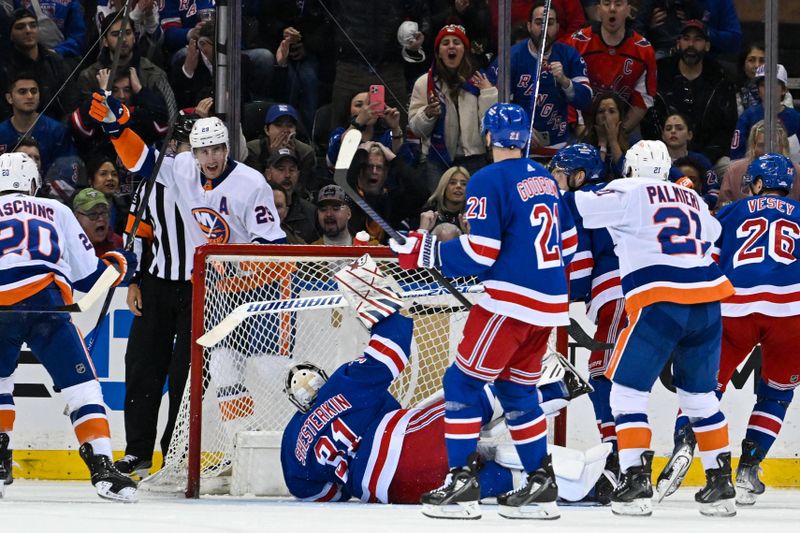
(664, 194)
(26, 206)
(316, 421)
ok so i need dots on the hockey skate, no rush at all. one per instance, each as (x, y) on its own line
(107, 480)
(6, 477)
(633, 496)
(716, 498)
(678, 465)
(575, 383)
(458, 498)
(748, 486)
(372, 294)
(608, 481)
(536, 499)
(130, 465)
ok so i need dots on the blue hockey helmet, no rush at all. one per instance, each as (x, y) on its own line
(508, 124)
(775, 170)
(577, 157)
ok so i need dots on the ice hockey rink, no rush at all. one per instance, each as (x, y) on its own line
(59, 506)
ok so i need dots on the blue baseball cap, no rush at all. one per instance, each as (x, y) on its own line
(280, 110)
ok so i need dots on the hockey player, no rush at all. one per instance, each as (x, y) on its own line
(521, 238)
(351, 438)
(44, 253)
(594, 278)
(758, 252)
(663, 234)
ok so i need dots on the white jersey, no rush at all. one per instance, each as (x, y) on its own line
(41, 242)
(237, 207)
(662, 234)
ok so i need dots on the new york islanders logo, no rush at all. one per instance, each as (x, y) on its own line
(213, 226)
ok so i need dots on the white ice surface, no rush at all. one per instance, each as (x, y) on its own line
(33, 506)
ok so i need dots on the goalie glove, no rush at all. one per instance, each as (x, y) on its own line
(124, 261)
(368, 290)
(421, 250)
(110, 113)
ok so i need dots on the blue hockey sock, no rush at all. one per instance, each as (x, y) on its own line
(602, 410)
(463, 399)
(767, 417)
(525, 420)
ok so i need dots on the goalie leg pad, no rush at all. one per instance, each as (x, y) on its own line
(372, 293)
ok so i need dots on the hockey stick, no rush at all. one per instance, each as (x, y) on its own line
(350, 143)
(585, 340)
(332, 301)
(538, 75)
(103, 283)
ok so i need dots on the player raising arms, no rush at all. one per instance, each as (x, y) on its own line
(351, 438)
(44, 253)
(521, 237)
(758, 252)
(663, 234)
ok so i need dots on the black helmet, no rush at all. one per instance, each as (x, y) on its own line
(183, 126)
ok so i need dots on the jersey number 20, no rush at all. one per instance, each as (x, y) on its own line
(41, 236)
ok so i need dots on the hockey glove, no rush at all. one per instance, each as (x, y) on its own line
(110, 113)
(368, 290)
(421, 250)
(124, 261)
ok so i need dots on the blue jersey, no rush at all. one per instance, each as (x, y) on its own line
(790, 119)
(53, 138)
(521, 238)
(594, 270)
(554, 101)
(758, 251)
(327, 453)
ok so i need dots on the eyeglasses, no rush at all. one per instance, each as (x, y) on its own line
(94, 215)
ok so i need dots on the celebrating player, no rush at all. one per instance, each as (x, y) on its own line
(663, 234)
(521, 237)
(594, 278)
(44, 253)
(757, 251)
(345, 422)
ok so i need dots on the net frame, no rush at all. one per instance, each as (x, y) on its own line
(198, 353)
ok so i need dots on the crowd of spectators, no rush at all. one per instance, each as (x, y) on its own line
(614, 71)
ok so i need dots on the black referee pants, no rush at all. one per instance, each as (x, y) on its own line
(158, 347)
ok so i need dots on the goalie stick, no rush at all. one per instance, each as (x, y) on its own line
(103, 283)
(216, 334)
(350, 143)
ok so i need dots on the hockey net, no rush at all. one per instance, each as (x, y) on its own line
(238, 384)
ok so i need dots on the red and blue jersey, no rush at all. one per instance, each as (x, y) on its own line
(522, 237)
(349, 442)
(758, 252)
(594, 270)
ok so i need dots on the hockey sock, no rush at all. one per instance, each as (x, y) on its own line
(712, 438)
(602, 410)
(633, 438)
(525, 420)
(496, 479)
(767, 417)
(552, 397)
(8, 410)
(463, 415)
(88, 415)
(681, 421)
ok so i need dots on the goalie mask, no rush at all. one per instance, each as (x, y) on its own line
(303, 383)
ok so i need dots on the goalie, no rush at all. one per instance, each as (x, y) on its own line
(351, 438)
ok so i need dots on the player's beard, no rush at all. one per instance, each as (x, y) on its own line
(692, 56)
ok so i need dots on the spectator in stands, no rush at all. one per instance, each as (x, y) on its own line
(361, 116)
(283, 171)
(61, 25)
(91, 210)
(697, 86)
(333, 214)
(103, 176)
(280, 130)
(661, 21)
(731, 187)
(53, 138)
(564, 81)
(789, 117)
(677, 134)
(143, 15)
(747, 84)
(446, 204)
(570, 17)
(30, 146)
(691, 168)
(619, 59)
(282, 206)
(27, 55)
(447, 107)
(603, 129)
(388, 185)
(468, 13)
(145, 74)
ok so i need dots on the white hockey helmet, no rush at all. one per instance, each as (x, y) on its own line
(18, 172)
(303, 382)
(647, 159)
(209, 131)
